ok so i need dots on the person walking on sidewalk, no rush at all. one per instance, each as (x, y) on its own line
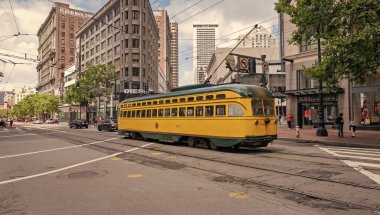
(289, 119)
(339, 122)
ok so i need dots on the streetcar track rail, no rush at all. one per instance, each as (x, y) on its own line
(353, 184)
(245, 181)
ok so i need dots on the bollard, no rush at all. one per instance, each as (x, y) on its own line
(298, 132)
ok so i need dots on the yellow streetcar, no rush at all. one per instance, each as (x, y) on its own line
(231, 115)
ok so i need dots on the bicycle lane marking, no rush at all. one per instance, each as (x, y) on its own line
(72, 166)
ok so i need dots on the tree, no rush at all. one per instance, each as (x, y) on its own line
(36, 105)
(96, 82)
(349, 31)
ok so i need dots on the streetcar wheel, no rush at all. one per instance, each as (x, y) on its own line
(212, 146)
(191, 141)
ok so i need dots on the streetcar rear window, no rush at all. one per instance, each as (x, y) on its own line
(269, 109)
(257, 107)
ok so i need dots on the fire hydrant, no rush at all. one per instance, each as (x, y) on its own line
(352, 128)
(298, 132)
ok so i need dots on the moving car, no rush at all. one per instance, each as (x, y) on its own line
(108, 125)
(78, 124)
(49, 121)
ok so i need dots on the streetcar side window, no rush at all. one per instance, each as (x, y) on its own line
(199, 98)
(129, 114)
(167, 101)
(182, 100)
(129, 105)
(209, 110)
(143, 113)
(144, 103)
(221, 96)
(167, 112)
(133, 114)
(220, 110)
(154, 102)
(154, 113)
(124, 114)
(138, 114)
(121, 114)
(149, 103)
(174, 112)
(148, 113)
(182, 112)
(160, 112)
(209, 97)
(134, 105)
(138, 104)
(161, 102)
(190, 111)
(175, 100)
(235, 110)
(199, 111)
(190, 99)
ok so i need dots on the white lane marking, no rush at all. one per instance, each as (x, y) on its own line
(70, 167)
(351, 148)
(56, 149)
(19, 135)
(354, 150)
(359, 167)
(336, 154)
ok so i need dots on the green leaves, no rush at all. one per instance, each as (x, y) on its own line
(36, 104)
(350, 31)
(96, 82)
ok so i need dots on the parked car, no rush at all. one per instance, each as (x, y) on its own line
(108, 125)
(78, 124)
(49, 121)
(2, 123)
(37, 122)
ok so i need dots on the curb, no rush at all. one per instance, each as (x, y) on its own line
(333, 143)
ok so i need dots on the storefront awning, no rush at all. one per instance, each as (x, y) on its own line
(313, 91)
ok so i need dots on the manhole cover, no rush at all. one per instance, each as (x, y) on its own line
(84, 174)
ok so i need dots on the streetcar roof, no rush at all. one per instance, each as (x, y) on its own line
(241, 89)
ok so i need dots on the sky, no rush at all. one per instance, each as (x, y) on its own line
(234, 17)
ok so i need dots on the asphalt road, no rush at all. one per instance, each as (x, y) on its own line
(51, 169)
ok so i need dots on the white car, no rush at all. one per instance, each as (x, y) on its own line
(37, 122)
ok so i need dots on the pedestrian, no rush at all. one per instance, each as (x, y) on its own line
(289, 119)
(11, 123)
(339, 122)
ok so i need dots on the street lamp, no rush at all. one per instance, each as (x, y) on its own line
(321, 130)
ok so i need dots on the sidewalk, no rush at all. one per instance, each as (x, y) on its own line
(362, 139)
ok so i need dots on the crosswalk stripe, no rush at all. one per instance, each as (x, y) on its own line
(351, 148)
(364, 154)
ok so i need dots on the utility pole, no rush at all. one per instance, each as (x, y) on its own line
(321, 130)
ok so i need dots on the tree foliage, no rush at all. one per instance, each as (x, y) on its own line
(96, 82)
(349, 31)
(36, 105)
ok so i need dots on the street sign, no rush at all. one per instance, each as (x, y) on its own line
(265, 66)
(243, 64)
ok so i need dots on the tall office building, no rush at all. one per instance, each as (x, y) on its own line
(203, 47)
(258, 38)
(174, 54)
(164, 46)
(57, 46)
(123, 33)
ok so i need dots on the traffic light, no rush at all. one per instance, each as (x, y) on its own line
(252, 65)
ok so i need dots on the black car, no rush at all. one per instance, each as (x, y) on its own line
(78, 124)
(108, 125)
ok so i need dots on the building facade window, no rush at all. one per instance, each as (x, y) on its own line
(135, 71)
(135, 43)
